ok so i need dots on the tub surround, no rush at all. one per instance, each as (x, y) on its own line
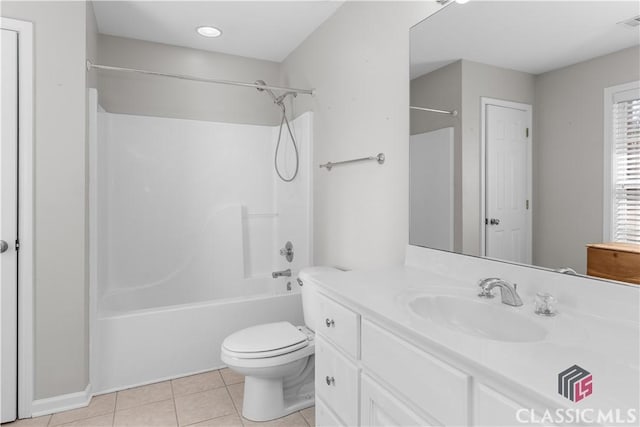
(596, 328)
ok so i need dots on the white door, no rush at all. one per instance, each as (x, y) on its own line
(508, 171)
(8, 225)
(431, 189)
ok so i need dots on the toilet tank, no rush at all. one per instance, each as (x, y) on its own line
(309, 289)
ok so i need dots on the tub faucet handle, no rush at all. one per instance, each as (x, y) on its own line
(287, 251)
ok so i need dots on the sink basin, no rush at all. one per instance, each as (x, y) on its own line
(480, 318)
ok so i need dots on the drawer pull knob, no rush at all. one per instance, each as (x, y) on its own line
(330, 380)
(329, 323)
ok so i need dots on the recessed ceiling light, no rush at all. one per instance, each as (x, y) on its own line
(207, 31)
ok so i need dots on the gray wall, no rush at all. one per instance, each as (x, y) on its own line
(361, 75)
(481, 80)
(60, 294)
(442, 89)
(568, 156)
(158, 96)
(460, 86)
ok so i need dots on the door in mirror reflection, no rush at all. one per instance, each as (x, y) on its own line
(508, 170)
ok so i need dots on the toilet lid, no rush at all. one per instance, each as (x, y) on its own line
(267, 340)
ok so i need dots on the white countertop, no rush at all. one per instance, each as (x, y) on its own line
(608, 348)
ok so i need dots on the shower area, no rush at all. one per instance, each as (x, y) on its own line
(190, 220)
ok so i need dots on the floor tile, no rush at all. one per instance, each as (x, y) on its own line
(30, 422)
(142, 395)
(309, 414)
(237, 393)
(292, 420)
(231, 377)
(228, 421)
(157, 414)
(100, 421)
(202, 406)
(99, 405)
(197, 383)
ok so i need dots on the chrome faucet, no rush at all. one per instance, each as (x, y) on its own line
(283, 273)
(566, 270)
(508, 291)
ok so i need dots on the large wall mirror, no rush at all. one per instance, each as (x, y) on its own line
(508, 120)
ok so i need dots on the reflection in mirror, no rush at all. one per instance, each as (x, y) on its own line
(527, 169)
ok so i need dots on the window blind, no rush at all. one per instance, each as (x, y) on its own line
(626, 166)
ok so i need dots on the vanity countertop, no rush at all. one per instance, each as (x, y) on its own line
(608, 348)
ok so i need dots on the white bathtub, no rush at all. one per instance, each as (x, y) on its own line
(135, 347)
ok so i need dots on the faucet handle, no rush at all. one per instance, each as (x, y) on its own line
(545, 303)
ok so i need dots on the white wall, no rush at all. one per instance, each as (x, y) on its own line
(568, 156)
(60, 301)
(163, 97)
(358, 61)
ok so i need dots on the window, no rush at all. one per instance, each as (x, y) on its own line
(622, 163)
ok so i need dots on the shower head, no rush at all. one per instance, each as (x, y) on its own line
(269, 91)
(282, 97)
(278, 100)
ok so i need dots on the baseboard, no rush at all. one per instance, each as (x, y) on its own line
(61, 403)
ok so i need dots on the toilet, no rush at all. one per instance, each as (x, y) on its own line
(277, 359)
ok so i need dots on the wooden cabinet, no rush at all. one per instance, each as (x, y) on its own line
(614, 261)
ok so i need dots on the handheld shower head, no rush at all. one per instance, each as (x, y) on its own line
(269, 91)
(282, 97)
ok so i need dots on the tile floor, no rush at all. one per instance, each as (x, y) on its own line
(209, 399)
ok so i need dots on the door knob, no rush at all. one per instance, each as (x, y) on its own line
(494, 221)
(3, 246)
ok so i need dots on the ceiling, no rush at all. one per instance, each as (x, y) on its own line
(268, 30)
(529, 36)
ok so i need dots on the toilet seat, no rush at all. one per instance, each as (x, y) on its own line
(264, 341)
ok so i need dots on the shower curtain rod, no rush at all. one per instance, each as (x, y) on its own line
(454, 113)
(91, 65)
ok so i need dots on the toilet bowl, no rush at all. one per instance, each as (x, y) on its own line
(277, 359)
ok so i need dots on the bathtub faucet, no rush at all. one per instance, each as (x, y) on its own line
(283, 273)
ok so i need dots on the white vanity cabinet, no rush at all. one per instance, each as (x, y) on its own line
(367, 375)
(337, 374)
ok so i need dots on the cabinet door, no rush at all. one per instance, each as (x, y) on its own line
(434, 386)
(324, 416)
(494, 409)
(337, 381)
(381, 409)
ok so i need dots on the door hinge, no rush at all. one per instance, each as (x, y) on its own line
(526, 132)
(486, 221)
(527, 205)
(17, 245)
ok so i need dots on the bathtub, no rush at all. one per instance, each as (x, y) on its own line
(136, 346)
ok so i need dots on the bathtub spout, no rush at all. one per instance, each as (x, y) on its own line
(283, 273)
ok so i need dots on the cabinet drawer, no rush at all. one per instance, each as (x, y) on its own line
(337, 382)
(381, 409)
(339, 325)
(324, 416)
(434, 386)
(615, 261)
